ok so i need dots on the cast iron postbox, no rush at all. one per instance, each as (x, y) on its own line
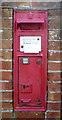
(30, 60)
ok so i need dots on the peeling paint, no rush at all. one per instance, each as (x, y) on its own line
(51, 53)
(36, 114)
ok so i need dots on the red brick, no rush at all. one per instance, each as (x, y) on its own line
(0, 44)
(7, 54)
(6, 65)
(7, 115)
(0, 95)
(54, 45)
(54, 66)
(0, 75)
(1, 12)
(61, 46)
(53, 106)
(0, 65)
(7, 86)
(0, 26)
(6, 106)
(54, 76)
(54, 97)
(0, 54)
(54, 12)
(54, 22)
(54, 34)
(0, 106)
(6, 44)
(6, 12)
(0, 18)
(7, 34)
(6, 75)
(53, 115)
(30, 115)
(0, 115)
(7, 23)
(54, 56)
(7, 96)
(54, 87)
(0, 85)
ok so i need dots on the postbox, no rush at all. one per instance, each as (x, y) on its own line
(30, 60)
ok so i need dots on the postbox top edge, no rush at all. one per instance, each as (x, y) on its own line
(30, 16)
(34, 11)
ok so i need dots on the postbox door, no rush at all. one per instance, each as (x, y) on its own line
(30, 85)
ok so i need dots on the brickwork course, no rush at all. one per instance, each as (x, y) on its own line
(54, 59)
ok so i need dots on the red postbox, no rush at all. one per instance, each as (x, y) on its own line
(30, 60)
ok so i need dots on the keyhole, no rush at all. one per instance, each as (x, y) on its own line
(24, 86)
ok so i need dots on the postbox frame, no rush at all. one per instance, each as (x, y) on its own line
(16, 59)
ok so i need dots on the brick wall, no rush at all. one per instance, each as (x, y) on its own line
(54, 61)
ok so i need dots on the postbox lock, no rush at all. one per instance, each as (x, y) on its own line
(24, 86)
(38, 61)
